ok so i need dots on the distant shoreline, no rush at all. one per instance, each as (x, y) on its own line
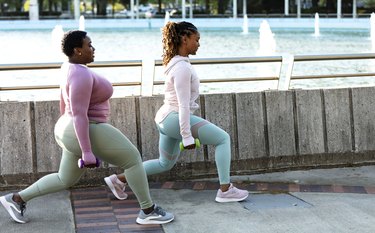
(203, 23)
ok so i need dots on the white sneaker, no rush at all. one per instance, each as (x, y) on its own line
(117, 186)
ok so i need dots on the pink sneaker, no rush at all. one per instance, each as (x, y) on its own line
(117, 186)
(233, 194)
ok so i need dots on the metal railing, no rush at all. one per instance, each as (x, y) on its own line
(326, 57)
(232, 60)
(147, 80)
(46, 66)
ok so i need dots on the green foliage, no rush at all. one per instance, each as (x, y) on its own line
(369, 3)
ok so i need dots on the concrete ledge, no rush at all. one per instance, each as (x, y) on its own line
(270, 131)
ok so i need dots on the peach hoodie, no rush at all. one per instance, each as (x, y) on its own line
(181, 92)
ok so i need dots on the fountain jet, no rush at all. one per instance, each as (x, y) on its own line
(267, 43)
(372, 32)
(82, 23)
(316, 26)
(245, 25)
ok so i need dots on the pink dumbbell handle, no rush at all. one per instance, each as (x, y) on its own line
(81, 163)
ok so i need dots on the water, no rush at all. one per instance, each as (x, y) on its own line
(129, 44)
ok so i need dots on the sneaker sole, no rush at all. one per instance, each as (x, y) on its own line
(145, 221)
(224, 200)
(112, 188)
(7, 206)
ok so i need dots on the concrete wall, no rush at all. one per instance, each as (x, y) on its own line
(270, 130)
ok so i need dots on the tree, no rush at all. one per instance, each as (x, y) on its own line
(369, 3)
(101, 7)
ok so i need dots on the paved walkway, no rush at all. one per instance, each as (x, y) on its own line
(338, 200)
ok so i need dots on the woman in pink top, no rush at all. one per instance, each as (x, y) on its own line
(175, 119)
(83, 133)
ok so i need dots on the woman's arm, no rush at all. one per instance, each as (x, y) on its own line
(182, 83)
(80, 88)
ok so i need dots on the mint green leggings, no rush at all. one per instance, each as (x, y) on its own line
(206, 132)
(109, 145)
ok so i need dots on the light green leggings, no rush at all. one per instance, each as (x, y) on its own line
(109, 145)
(206, 132)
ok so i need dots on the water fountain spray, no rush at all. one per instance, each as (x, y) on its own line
(267, 43)
(82, 23)
(316, 26)
(372, 32)
(245, 26)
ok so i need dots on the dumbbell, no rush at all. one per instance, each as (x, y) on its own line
(197, 144)
(81, 163)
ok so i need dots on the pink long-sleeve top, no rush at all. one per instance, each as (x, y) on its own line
(181, 92)
(84, 97)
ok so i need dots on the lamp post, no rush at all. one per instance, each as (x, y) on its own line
(183, 8)
(286, 7)
(298, 8)
(244, 9)
(34, 10)
(76, 10)
(235, 9)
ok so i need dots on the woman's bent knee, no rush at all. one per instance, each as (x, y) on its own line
(167, 165)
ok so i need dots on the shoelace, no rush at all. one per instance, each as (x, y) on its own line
(23, 208)
(159, 210)
(121, 185)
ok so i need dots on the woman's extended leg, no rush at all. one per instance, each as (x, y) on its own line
(110, 145)
(69, 174)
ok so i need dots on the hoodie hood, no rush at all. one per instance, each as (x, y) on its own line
(174, 61)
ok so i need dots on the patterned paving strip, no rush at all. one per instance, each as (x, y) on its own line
(98, 211)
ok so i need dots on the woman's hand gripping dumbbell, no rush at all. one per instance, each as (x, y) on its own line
(192, 146)
(88, 160)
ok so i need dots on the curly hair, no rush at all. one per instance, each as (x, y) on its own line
(72, 39)
(172, 35)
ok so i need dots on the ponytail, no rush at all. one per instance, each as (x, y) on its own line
(172, 36)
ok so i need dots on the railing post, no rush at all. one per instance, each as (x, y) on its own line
(147, 77)
(289, 62)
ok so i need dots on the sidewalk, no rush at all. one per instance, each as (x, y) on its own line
(338, 200)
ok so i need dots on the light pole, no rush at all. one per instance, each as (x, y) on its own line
(34, 10)
(191, 9)
(286, 7)
(244, 9)
(76, 9)
(298, 8)
(183, 8)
